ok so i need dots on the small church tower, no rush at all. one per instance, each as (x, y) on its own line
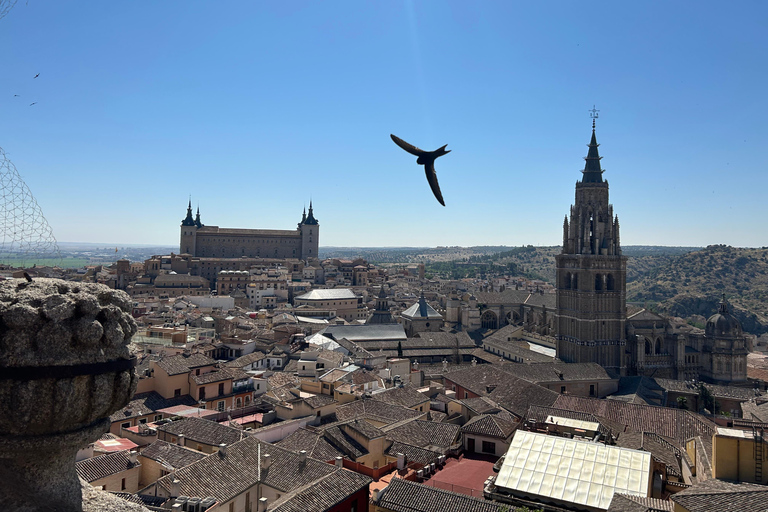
(591, 275)
(310, 235)
(189, 227)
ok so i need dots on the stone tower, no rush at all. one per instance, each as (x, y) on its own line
(591, 276)
(310, 235)
(189, 227)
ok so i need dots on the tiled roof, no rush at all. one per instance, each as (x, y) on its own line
(318, 401)
(425, 434)
(103, 466)
(480, 405)
(477, 378)
(517, 395)
(508, 296)
(554, 372)
(633, 503)
(182, 363)
(405, 396)
(488, 425)
(141, 499)
(542, 299)
(401, 496)
(245, 360)
(219, 375)
(380, 411)
(147, 403)
(322, 494)
(364, 428)
(639, 390)
(173, 454)
(202, 431)
(413, 453)
(718, 495)
(677, 424)
(313, 441)
(339, 439)
(226, 476)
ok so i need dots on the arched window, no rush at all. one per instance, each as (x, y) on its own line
(658, 346)
(598, 282)
(647, 346)
(567, 283)
(609, 283)
(489, 320)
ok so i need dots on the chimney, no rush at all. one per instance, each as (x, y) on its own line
(339, 462)
(223, 450)
(303, 455)
(266, 461)
(400, 461)
(133, 456)
(180, 440)
(263, 505)
(175, 487)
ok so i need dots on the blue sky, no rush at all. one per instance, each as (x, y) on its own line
(253, 108)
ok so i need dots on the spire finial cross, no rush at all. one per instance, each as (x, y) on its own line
(594, 115)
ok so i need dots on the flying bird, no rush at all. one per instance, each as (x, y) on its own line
(27, 277)
(16, 95)
(37, 75)
(33, 103)
(427, 159)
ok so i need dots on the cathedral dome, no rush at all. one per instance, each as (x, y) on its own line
(723, 323)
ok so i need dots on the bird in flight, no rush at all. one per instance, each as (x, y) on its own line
(427, 159)
(34, 103)
(37, 75)
(15, 95)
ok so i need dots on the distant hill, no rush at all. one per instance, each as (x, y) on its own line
(692, 284)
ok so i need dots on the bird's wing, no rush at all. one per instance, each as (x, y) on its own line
(411, 149)
(433, 184)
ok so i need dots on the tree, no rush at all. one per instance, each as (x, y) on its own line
(682, 402)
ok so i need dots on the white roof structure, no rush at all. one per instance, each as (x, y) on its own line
(328, 294)
(569, 471)
(589, 426)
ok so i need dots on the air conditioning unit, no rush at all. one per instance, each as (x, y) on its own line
(182, 500)
(207, 503)
(420, 474)
(441, 459)
(193, 505)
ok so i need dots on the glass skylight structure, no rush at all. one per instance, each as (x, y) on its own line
(571, 471)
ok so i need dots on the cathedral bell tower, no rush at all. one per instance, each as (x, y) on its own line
(592, 275)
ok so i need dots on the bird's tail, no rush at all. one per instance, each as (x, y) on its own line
(442, 151)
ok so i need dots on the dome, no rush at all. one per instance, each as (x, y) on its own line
(723, 323)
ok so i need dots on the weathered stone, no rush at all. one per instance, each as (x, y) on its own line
(64, 368)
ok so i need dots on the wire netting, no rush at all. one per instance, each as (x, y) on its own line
(27, 237)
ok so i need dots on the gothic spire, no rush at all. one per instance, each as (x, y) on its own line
(592, 171)
(197, 218)
(310, 216)
(188, 220)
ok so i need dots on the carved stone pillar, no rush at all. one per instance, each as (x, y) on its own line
(64, 368)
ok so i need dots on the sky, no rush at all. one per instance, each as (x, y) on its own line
(253, 109)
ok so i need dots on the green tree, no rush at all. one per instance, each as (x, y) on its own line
(682, 402)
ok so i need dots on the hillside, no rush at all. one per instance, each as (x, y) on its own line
(693, 284)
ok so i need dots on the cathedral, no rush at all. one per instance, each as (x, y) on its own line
(202, 241)
(591, 322)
